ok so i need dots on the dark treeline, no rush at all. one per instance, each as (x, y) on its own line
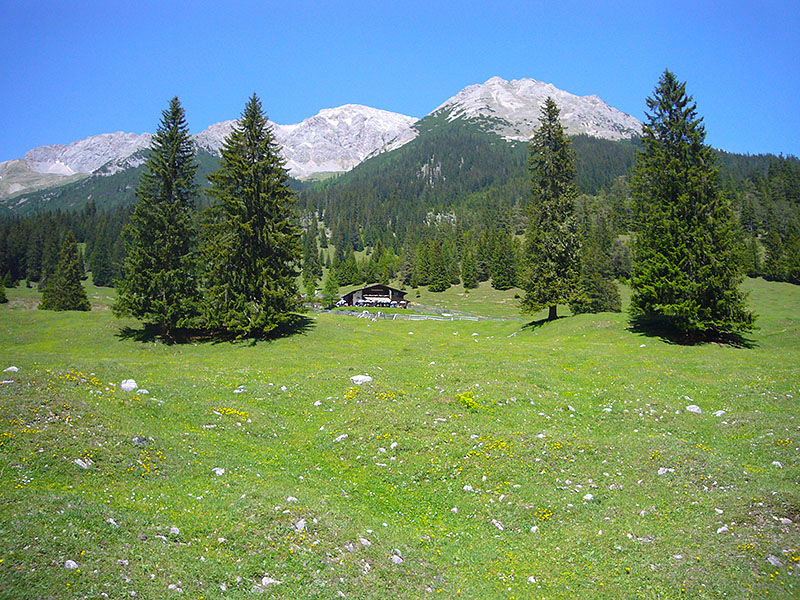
(29, 246)
(448, 208)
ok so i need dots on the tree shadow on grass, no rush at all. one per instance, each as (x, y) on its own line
(539, 323)
(667, 334)
(149, 332)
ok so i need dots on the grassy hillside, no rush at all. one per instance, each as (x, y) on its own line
(485, 460)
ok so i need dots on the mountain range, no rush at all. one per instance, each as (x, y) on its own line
(334, 140)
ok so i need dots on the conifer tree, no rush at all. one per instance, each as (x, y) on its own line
(685, 271)
(330, 290)
(3, 297)
(159, 281)
(64, 290)
(504, 262)
(552, 242)
(251, 243)
(469, 274)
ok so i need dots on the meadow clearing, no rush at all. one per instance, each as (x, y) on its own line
(506, 459)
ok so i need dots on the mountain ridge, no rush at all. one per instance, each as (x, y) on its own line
(334, 140)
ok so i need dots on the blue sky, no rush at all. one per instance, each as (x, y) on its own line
(72, 69)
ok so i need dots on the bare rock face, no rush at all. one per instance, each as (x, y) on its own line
(332, 141)
(89, 155)
(514, 108)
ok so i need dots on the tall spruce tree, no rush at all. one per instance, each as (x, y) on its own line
(64, 290)
(552, 242)
(251, 243)
(685, 270)
(159, 281)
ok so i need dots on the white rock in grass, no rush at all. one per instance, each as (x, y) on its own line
(535, 529)
(719, 413)
(128, 385)
(498, 524)
(174, 531)
(11, 369)
(83, 464)
(70, 564)
(588, 497)
(397, 559)
(365, 542)
(723, 529)
(291, 499)
(468, 488)
(693, 408)
(664, 471)
(267, 580)
(531, 579)
(777, 463)
(342, 437)
(774, 561)
(300, 525)
(359, 379)
(218, 471)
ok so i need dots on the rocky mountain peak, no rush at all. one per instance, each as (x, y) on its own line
(514, 107)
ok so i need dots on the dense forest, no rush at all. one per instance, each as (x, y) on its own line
(448, 208)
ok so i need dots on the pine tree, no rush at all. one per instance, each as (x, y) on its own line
(552, 243)
(251, 244)
(3, 297)
(469, 274)
(64, 290)
(504, 263)
(159, 282)
(685, 271)
(330, 290)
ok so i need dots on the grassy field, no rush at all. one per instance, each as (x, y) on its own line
(507, 459)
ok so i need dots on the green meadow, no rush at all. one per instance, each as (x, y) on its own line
(506, 459)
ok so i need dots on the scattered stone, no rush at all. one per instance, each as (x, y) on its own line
(140, 441)
(365, 542)
(571, 408)
(393, 446)
(267, 580)
(350, 547)
(664, 471)
(468, 488)
(174, 531)
(218, 471)
(174, 588)
(396, 559)
(142, 537)
(785, 521)
(774, 560)
(318, 403)
(718, 413)
(342, 437)
(112, 522)
(291, 499)
(777, 463)
(723, 529)
(535, 529)
(693, 408)
(83, 464)
(128, 385)
(719, 511)
(122, 562)
(70, 564)
(454, 510)
(239, 390)
(300, 525)
(498, 524)
(588, 497)
(11, 369)
(531, 579)
(142, 391)
(284, 388)
(359, 379)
